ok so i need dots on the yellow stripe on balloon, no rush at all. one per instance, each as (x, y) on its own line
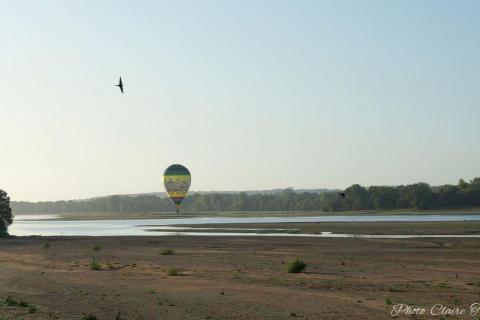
(177, 185)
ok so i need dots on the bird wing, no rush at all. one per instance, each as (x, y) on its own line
(120, 81)
(121, 88)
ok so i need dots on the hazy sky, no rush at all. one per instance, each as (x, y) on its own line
(246, 94)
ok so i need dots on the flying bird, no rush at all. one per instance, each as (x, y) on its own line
(120, 84)
(342, 194)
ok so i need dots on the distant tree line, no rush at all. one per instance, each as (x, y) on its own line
(417, 196)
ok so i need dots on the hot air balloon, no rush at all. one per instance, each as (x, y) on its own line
(177, 179)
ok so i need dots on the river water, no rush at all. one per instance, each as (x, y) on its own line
(44, 225)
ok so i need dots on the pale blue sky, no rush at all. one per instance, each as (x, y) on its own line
(246, 94)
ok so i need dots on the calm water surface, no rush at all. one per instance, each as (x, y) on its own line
(43, 225)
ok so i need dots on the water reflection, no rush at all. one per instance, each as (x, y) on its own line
(24, 217)
(29, 225)
(321, 235)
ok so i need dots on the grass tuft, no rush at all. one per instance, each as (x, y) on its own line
(24, 304)
(46, 245)
(94, 265)
(9, 301)
(167, 252)
(296, 266)
(97, 248)
(173, 272)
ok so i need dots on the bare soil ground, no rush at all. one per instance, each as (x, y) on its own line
(234, 278)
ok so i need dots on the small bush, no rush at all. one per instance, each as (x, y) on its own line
(296, 266)
(94, 265)
(173, 272)
(22, 303)
(97, 248)
(167, 252)
(46, 245)
(388, 301)
(89, 317)
(9, 301)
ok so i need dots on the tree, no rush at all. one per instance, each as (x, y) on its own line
(462, 184)
(358, 198)
(471, 192)
(449, 195)
(384, 197)
(475, 181)
(421, 195)
(6, 217)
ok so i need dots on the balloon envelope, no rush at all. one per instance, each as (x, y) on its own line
(177, 179)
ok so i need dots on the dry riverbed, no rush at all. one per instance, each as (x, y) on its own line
(233, 277)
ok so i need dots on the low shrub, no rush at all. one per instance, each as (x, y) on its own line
(173, 272)
(22, 303)
(296, 266)
(9, 301)
(94, 265)
(167, 252)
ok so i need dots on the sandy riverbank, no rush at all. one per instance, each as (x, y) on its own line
(233, 278)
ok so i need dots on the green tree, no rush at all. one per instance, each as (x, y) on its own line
(358, 197)
(475, 181)
(471, 192)
(422, 195)
(404, 197)
(6, 216)
(449, 195)
(384, 197)
(462, 184)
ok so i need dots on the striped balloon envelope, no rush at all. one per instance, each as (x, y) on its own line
(177, 179)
